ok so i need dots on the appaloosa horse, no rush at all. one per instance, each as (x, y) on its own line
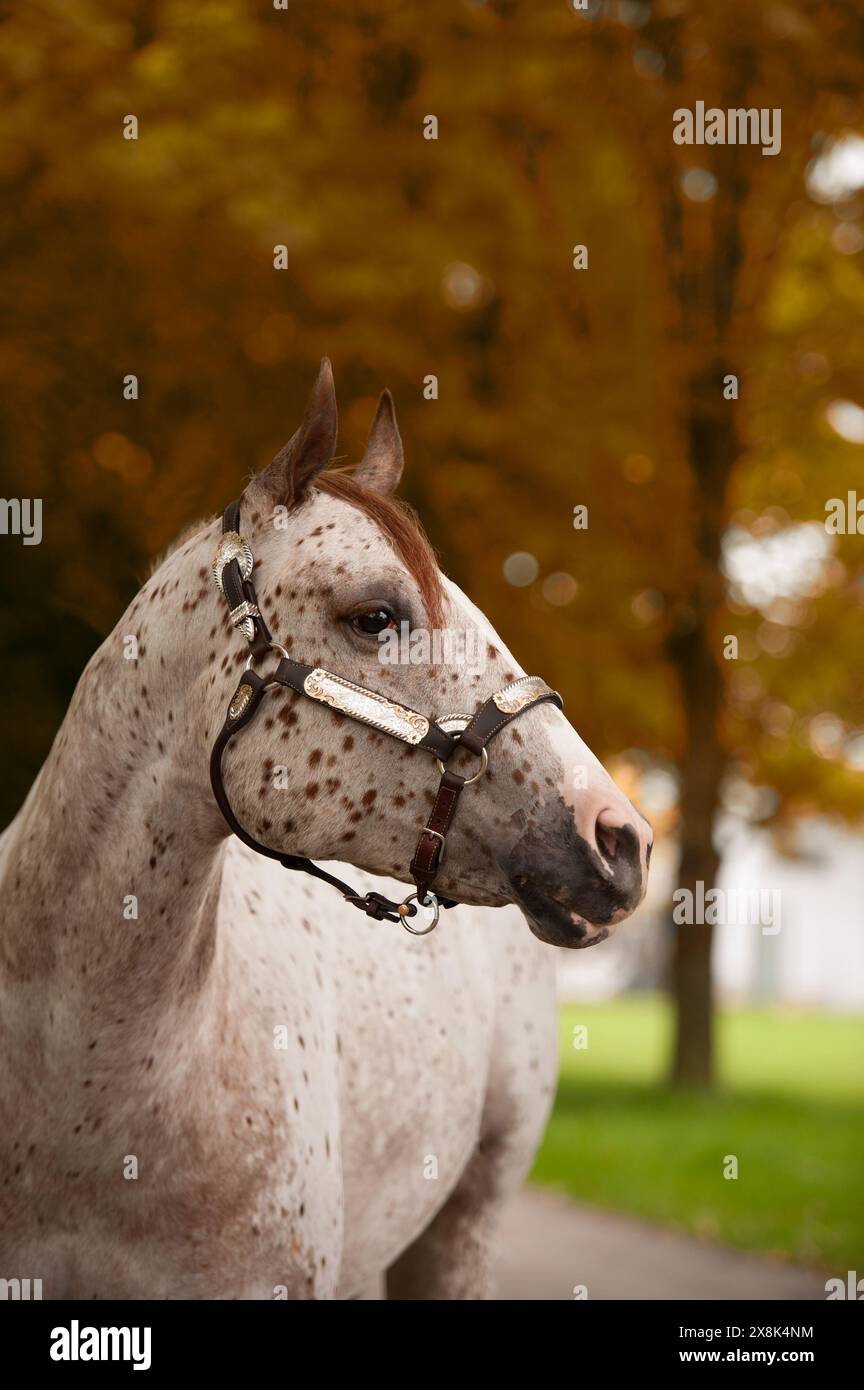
(218, 1079)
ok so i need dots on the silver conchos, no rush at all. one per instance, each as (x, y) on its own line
(242, 616)
(366, 706)
(242, 695)
(232, 547)
(516, 696)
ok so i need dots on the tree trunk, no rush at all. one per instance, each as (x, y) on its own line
(694, 647)
(693, 1055)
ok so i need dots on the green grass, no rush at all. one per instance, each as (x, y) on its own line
(789, 1105)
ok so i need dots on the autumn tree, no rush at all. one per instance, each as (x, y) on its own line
(438, 257)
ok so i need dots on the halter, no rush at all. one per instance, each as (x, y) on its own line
(232, 574)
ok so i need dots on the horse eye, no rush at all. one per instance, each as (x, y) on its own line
(369, 624)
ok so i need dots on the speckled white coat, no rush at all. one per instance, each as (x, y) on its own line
(218, 1080)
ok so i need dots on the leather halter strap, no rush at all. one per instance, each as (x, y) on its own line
(232, 569)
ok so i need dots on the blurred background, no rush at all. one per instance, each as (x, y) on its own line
(444, 268)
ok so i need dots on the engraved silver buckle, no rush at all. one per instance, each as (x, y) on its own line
(242, 617)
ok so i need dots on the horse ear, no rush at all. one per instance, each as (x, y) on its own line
(381, 467)
(310, 448)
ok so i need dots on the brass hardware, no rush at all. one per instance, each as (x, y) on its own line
(240, 703)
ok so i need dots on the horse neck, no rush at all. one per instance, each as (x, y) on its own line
(111, 872)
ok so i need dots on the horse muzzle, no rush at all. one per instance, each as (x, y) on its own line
(572, 892)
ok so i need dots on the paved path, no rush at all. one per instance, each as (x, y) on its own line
(549, 1244)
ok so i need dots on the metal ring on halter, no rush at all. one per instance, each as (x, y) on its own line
(484, 763)
(272, 647)
(430, 899)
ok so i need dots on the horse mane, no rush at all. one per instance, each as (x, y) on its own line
(401, 526)
(396, 520)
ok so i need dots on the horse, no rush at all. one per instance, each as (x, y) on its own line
(219, 1081)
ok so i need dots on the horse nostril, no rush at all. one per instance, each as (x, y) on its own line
(607, 839)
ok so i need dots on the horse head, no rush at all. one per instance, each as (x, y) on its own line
(347, 582)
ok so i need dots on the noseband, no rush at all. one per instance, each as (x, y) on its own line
(232, 573)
